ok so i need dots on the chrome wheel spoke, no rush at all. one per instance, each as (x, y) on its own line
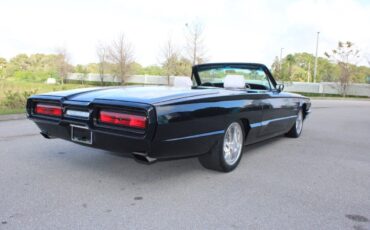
(299, 122)
(233, 140)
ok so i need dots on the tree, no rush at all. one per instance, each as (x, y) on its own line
(3, 64)
(18, 63)
(62, 63)
(183, 67)
(154, 70)
(102, 53)
(121, 55)
(92, 68)
(136, 68)
(83, 73)
(169, 56)
(36, 67)
(345, 55)
(195, 42)
(290, 62)
(326, 71)
(275, 68)
(299, 67)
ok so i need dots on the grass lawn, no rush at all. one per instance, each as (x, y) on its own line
(13, 94)
(330, 96)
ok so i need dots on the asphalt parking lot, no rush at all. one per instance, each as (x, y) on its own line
(319, 181)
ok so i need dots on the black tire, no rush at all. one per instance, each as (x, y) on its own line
(295, 131)
(215, 159)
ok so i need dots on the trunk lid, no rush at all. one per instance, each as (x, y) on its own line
(148, 95)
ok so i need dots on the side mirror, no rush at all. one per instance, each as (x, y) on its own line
(280, 87)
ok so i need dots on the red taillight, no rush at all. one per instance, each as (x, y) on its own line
(50, 110)
(128, 120)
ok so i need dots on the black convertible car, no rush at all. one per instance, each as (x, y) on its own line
(212, 116)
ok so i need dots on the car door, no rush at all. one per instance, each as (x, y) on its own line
(278, 113)
(278, 109)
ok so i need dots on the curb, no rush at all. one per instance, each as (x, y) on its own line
(340, 98)
(10, 117)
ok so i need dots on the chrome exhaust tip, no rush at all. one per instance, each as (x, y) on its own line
(144, 158)
(44, 134)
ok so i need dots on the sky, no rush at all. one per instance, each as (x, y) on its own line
(234, 30)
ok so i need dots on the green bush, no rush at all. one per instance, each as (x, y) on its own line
(14, 100)
(33, 76)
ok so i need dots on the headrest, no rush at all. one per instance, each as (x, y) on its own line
(182, 82)
(234, 82)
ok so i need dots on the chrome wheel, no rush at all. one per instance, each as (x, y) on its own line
(299, 122)
(233, 143)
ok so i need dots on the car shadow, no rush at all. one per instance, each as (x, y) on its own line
(249, 149)
(122, 165)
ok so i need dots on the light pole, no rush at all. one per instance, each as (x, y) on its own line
(281, 53)
(317, 47)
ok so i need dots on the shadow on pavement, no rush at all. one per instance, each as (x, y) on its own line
(123, 166)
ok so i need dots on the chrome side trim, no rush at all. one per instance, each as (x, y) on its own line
(266, 122)
(197, 135)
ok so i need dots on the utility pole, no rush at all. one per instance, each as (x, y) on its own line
(315, 68)
(281, 54)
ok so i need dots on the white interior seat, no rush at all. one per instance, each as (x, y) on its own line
(182, 82)
(234, 82)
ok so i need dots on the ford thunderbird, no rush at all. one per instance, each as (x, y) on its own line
(212, 115)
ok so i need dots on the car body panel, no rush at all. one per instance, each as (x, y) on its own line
(148, 94)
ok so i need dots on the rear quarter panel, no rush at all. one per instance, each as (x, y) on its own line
(192, 127)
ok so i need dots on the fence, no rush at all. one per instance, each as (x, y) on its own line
(327, 88)
(303, 87)
(134, 79)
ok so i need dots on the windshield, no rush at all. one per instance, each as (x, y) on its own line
(255, 78)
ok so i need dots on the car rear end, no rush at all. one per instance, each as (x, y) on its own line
(106, 124)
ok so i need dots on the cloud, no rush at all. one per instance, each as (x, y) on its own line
(235, 30)
(343, 20)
